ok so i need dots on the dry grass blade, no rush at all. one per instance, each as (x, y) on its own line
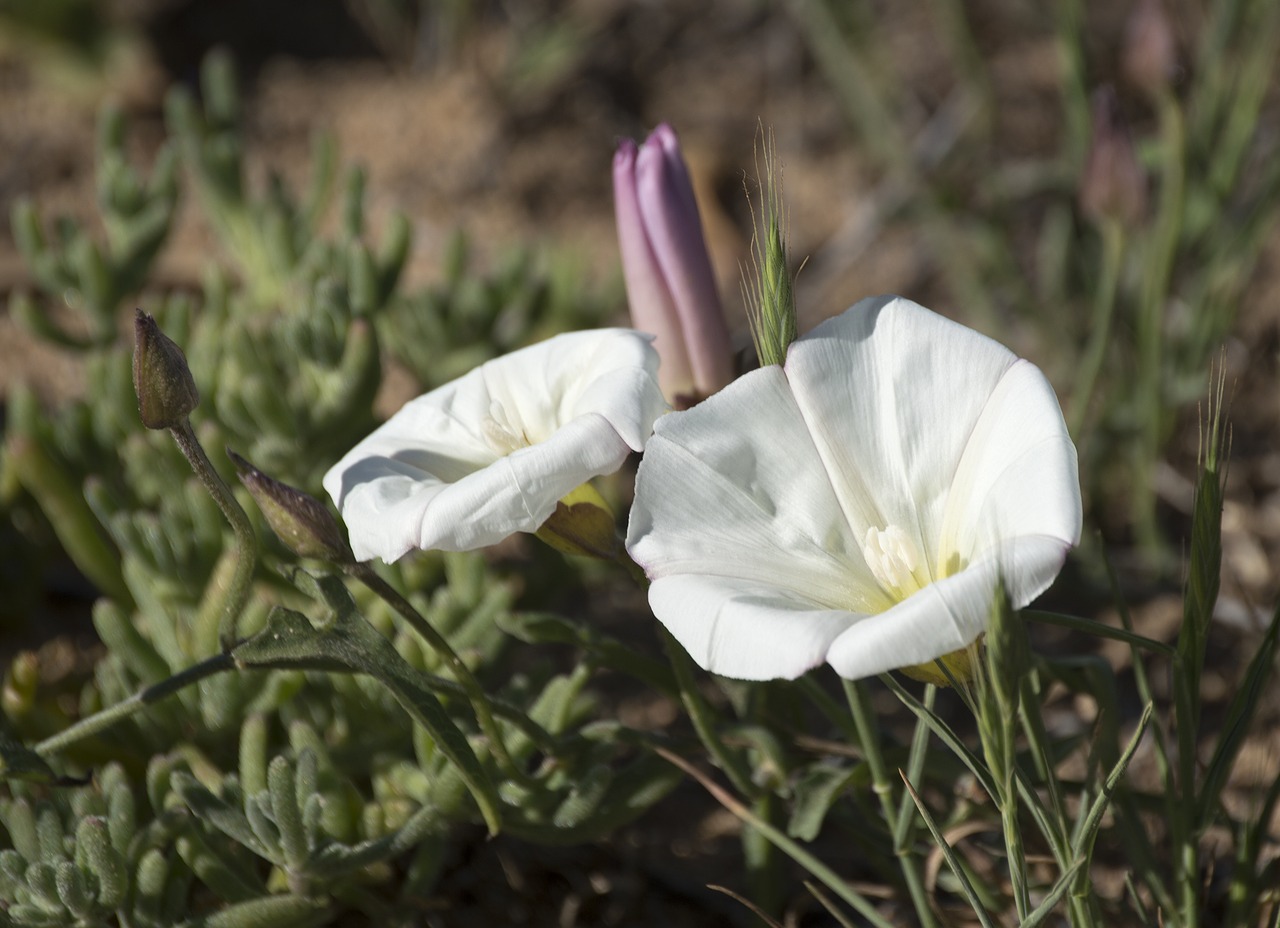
(827, 903)
(779, 840)
(747, 904)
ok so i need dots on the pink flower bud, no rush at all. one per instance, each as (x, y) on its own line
(1114, 186)
(670, 284)
(1150, 48)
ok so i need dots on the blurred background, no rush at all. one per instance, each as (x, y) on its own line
(933, 148)
(1094, 184)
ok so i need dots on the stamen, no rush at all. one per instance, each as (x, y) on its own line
(893, 559)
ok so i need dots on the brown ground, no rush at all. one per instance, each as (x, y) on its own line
(455, 140)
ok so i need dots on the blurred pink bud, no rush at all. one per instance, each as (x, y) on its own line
(1114, 186)
(670, 285)
(1150, 48)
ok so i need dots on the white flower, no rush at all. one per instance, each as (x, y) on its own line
(491, 453)
(858, 505)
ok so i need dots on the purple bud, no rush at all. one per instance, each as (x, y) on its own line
(166, 391)
(1114, 186)
(670, 284)
(300, 520)
(1150, 48)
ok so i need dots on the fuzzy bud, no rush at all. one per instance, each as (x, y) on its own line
(1114, 186)
(769, 289)
(301, 521)
(161, 378)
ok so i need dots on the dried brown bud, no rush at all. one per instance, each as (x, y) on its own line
(1114, 186)
(301, 521)
(166, 391)
(1150, 54)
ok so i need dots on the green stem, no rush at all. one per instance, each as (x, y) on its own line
(869, 740)
(237, 591)
(480, 703)
(100, 721)
(695, 704)
(703, 717)
(1184, 825)
(1100, 325)
(1159, 264)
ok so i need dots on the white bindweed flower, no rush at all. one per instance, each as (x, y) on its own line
(491, 453)
(858, 505)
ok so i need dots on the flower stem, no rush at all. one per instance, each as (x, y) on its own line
(236, 593)
(869, 740)
(1113, 242)
(1159, 264)
(100, 721)
(462, 673)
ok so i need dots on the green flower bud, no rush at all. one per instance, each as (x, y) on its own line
(166, 391)
(301, 521)
(582, 524)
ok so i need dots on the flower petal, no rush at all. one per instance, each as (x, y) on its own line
(734, 488)
(440, 474)
(891, 393)
(1017, 476)
(747, 631)
(944, 616)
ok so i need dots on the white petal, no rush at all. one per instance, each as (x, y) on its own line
(743, 630)
(1018, 473)
(947, 615)
(891, 392)
(433, 475)
(734, 488)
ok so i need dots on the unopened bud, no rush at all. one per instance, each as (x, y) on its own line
(582, 524)
(671, 287)
(1150, 55)
(166, 391)
(1114, 186)
(301, 521)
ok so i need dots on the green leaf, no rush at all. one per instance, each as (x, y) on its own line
(350, 644)
(584, 797)
(95, 852)
(268, 912)
(18, 762)
(817, 790)
(287, 813)
(217, 812)
(1053, 897)
(1091, 814)
(1236, 725)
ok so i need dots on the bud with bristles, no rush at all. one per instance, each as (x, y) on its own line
(161, 378)
(770, 297)
(301, 521)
